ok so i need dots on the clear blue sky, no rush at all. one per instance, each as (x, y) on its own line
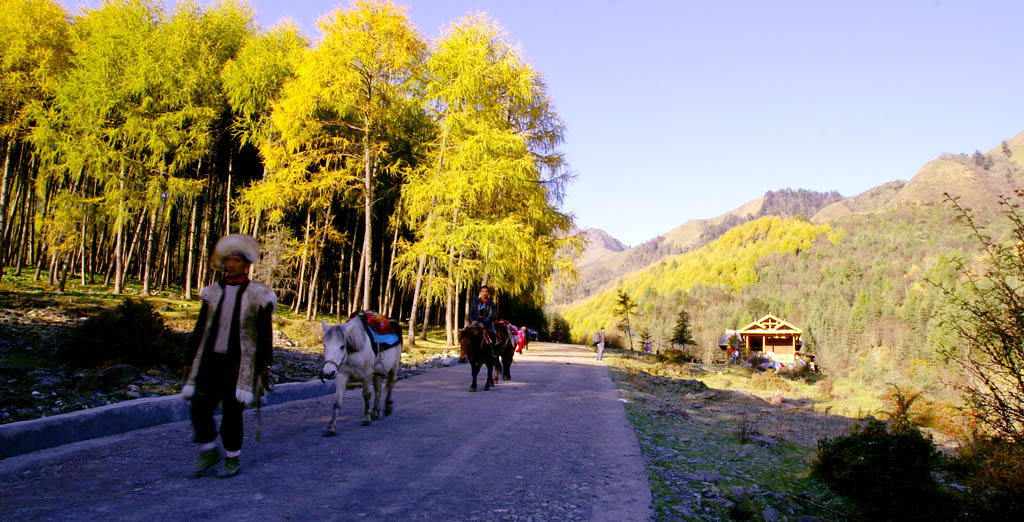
(679, 110)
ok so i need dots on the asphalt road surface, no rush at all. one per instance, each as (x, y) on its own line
(551, 444)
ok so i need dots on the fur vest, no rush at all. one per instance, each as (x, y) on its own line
(255, 297)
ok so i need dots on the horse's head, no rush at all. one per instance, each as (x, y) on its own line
(470, 336)
(335, 349)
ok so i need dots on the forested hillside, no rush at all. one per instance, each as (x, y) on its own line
(729, 264)
(596, 273)
(378, 169)
(866, 299)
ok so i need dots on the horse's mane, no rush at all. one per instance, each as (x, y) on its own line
(470, 332)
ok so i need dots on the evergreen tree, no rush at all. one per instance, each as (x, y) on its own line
(624, 307)
(682, 333)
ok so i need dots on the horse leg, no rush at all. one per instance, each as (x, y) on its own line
(490, 375)
(375, 414)
(476, 369)
(340, 381)
(506, 364)
(388, 405)
(367, 391)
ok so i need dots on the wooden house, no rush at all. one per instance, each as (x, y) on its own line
(773, 338)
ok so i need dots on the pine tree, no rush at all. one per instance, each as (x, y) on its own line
(624, 307)
(682, 333)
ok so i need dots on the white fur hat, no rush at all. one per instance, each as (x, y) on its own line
(237, 244)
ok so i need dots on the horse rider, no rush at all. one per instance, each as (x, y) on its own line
(230, 352)
(483, 311)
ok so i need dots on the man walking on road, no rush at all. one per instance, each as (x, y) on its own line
(599, 340)
(230, 352)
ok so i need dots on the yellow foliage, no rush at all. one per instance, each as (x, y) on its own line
(730, 262)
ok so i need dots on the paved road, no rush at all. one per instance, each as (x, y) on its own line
(551, 444)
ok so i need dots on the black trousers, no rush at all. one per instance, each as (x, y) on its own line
(215, 384)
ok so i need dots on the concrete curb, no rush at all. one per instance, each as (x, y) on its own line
(18, 438)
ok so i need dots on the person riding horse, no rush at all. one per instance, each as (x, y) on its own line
(483, 311)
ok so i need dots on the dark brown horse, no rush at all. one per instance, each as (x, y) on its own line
(504, 348)
(471, 340)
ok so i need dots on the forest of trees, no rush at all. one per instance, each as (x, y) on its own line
(378, 170)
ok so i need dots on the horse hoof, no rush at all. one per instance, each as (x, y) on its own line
(374, 416)
(387, 411)
(366, 423)
(472, 388)
(329, 433)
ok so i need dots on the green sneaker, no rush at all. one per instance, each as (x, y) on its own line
(230, 468)
(207, 460)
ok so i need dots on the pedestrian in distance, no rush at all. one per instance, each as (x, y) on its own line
(229, 353)
(599, 342)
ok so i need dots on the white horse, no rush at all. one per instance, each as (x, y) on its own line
(348, 354)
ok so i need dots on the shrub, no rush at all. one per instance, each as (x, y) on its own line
(888, 472)
(131, 333)
(768, 381)
(992, 468)
(984, 308)
(674, 356)
(825, 387)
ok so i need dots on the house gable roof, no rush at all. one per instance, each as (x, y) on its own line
(770, 324)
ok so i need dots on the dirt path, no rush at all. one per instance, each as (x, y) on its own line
(552, 444)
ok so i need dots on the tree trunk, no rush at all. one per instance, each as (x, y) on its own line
(38, 241)
(64, 272)
(17, 224)
(227, 199)
(302, 269)
(388, 298)
(85, 230)
(310, 306)
(136, 238)
(415, 300)
(148, 263)
(191, 249)
(3, 202)
(24, 241)
(360, 281)
(367, 214)
(427, 302)
(350, 297)
(338, 297)
(119, 245)
(51, 272)
(448, 326)
(204, 245)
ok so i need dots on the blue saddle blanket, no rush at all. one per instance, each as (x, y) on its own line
(385, 340)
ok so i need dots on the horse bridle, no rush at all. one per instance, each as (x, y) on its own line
(337, 368)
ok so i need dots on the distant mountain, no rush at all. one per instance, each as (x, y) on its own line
(600, 245)
(977, 180)
(602, 264)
